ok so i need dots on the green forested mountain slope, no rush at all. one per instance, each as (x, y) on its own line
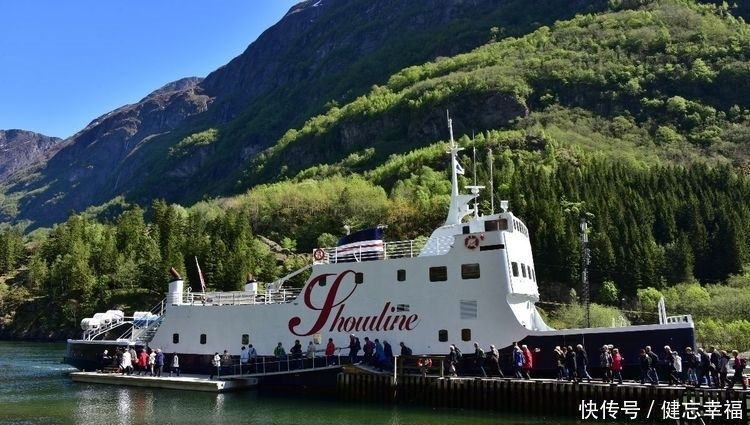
(667, 82)
(635, 119)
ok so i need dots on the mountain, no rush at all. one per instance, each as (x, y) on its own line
(191, 139)
(20, 150)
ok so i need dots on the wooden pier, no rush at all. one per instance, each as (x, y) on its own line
(586, 401)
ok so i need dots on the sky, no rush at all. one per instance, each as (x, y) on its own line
(65, 63)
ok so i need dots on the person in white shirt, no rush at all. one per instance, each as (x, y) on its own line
(175, 365)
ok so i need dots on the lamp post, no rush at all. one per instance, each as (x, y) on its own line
(585, 259)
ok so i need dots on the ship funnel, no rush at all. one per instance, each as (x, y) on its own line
(175, 274)
(174, 296)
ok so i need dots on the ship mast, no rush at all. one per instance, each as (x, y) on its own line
(459, 207)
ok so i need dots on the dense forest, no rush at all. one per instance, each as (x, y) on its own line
(637, 119)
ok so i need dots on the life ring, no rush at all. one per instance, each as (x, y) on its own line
(424, 362)
(471, 241)
(319, 254)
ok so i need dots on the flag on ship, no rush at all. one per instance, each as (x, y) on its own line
(459, 169)
(200, 275)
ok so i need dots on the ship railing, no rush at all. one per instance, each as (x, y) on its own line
(272, 365)
(365, 252)
(271, 296)
(399, 365)
(133, 328)
(682, 318)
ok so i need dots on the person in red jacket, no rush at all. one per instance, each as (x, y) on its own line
(617, 361)
(142, 362)
(528, 361)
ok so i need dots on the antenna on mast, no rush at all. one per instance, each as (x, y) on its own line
(492, 182)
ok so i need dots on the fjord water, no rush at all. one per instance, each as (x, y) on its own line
(35, 388)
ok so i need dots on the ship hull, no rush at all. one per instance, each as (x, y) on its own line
(86, 355)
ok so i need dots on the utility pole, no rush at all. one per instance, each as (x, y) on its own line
(585, 260)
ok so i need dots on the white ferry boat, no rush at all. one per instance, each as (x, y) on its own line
(472, 280)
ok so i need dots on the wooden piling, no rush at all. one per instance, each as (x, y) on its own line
(544, 397)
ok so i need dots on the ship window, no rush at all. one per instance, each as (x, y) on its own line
(470, 271)
(468, 309)
(402, 307)
(323, 281)
(533, 275)
(523, 269)
(466, 230)
(438, 274)
(443, 335)
(401, 275)
(490, 225)
(245, 339)
(175, 338)
(514, 265)
(465, 334)
(528, 268)
(203, 339)
(359, 277)
(502, 224)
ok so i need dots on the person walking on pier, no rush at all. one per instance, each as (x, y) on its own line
(653, 362)
(104, 360)
(354, 348)
(617, 363)
(452, 361)
(296, 352)
(379, 355)
(704, 373)
(142, 362)
(676, 376)
(571, 364)
(330, 352)
(714, 365)
(369, 351)
(405, 351)
(244, 360)
(517, 361)
(582, 361)
(738, 364)
(645, 362)
(605, 361)
(159, 362)
(252, 357)
(692, 362)
(494, 358)
(175, 365)
(280, 354)
(388, 354)
(310, 354)
(126, 363)
(528, 360)
(215, 366)
(724, 368)
(479, 359)
(558, 360)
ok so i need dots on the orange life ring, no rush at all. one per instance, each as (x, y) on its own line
(471, 242)
(319, 254)
(424, 362)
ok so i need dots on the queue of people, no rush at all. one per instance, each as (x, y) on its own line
(144, 361)
(700, 367)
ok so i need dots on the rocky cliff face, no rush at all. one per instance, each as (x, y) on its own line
(20, 150)
(322, 51)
